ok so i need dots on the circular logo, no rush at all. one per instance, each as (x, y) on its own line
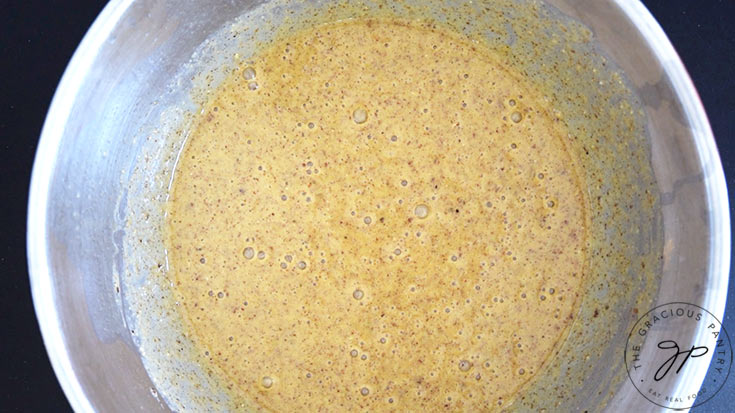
(668, 350)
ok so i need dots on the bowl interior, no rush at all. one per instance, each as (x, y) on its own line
(119, 82)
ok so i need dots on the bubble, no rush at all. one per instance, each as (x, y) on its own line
(489, 204)
(454, 258)
(382, 340)
(302, 265)
(465, 365)
(359, 116)
(353, 353)
(261, 255)
(357, 294)
(283, 265)
(397, 251)
(288, 258)
(363, 357)
(284, 197)
(551, 291)
(311, 125)
(421, 211)
(248, 73)
(253, 85)
(404, 182)
(364, 391)
(540, 175)
(393, 138)
(521, 371)
(516, 117)
(390, 400)
(248, 253)
(267, 382)
(543, 297)
(367, 220)
(512, 102)
(220, 295)
(550, 204)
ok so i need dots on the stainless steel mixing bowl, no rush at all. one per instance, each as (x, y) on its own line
(125, 63)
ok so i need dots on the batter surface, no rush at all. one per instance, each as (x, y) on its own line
(375, 215)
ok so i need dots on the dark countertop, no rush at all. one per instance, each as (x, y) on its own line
(38, 39)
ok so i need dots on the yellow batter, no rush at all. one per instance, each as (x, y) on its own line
(376, 215)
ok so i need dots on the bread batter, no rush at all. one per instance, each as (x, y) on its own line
(376, 215)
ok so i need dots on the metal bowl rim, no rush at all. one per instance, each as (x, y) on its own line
(42, 279)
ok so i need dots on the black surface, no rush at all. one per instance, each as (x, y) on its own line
(38, 39)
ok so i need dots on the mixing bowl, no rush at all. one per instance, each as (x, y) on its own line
(125, 64)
